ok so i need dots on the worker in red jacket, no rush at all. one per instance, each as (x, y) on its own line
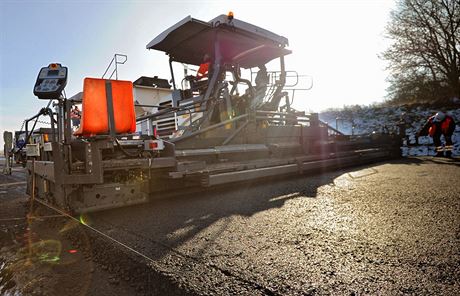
(437, 125)
(198, 83)
(204, 67)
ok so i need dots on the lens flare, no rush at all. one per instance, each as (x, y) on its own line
(83, 220)
(48, 258)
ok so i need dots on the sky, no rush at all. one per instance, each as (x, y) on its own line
(336, 43)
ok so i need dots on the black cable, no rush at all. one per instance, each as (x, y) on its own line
(126, 153)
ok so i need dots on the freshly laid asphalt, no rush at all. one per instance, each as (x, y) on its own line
(386, 228)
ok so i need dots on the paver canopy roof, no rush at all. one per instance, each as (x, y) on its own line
(238, 42)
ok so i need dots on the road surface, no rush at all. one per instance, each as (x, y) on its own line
(387, 228)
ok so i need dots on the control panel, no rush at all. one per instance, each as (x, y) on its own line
(50, 81)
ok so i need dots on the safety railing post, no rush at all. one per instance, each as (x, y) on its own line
(116, 62)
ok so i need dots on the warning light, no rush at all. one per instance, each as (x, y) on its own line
(153, 145)
(230, 15)
(72, 251)
(53, 66)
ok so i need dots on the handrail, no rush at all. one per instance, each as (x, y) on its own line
(331, 128)
(117, 62)
(292, 88)
(276, 75)
(211, 127)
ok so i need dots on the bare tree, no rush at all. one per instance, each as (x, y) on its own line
(424, 56)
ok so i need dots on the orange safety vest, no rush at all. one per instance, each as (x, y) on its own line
(202, 71)
(444, 126)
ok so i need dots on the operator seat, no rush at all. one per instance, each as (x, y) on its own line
(107, 108)
(197, 86)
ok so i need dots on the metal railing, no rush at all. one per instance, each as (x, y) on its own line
(115, 61)
(293, 78)
(331, 130)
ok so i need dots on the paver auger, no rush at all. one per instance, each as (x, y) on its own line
(147, 140)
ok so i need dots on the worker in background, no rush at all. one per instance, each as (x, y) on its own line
(7, 150)
(75, 116)
(437, 125)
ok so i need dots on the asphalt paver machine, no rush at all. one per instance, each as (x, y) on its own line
(233, 125)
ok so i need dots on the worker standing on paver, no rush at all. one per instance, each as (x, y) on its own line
(75, 115)
(262, 80)
(437, 125)
(198, 83)
(204, 67)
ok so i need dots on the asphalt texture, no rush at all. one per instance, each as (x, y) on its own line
(388, 229)
(381, 229)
